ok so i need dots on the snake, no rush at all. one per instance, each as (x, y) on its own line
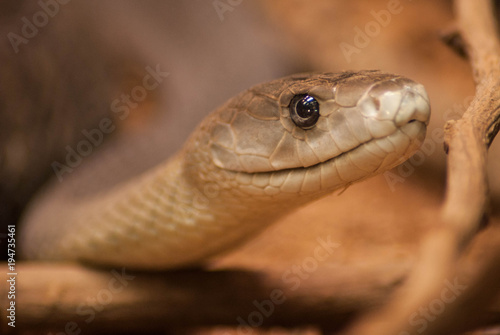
(264, 153)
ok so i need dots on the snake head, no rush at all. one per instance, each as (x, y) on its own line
(310, 132)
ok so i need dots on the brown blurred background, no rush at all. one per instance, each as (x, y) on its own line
(64, 79)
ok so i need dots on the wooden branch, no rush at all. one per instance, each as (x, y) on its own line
(51, 297)
(467, 141)
(481, 293)
(67, 298)
(479, 30)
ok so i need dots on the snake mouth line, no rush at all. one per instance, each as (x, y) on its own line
(332, 159)
(364, 144)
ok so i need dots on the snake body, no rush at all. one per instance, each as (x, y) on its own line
(271, 149)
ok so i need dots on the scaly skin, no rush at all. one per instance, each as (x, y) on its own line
(245, 165)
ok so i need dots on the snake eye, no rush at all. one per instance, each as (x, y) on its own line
(304, 111)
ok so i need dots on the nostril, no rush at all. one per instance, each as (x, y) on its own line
(414, 107)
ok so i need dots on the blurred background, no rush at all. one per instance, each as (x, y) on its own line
(63, 71)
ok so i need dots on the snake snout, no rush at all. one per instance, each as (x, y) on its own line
(414, 106)
(401, 103)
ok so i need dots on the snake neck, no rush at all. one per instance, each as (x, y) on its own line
(174, 215)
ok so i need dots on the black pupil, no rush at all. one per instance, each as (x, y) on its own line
(307, 106)
(304, 111)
